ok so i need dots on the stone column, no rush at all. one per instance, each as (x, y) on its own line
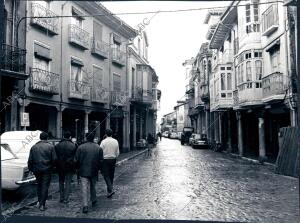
(141, 125)
(14, 109)
(107, 122)
(261, 133)
(134, 127)
(220, 127)
(86, 122)
(216, 126)
(126, 133)
(146, 122)
(229, 148)
(240, 133)
(199, 125)
(59, 123)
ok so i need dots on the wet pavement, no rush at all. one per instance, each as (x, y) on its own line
(181, 183)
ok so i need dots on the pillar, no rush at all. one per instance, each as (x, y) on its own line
(86, 122)
(107, 122)
(59, 123)
(293, 118)
(261, 133)
(207, 116)
(216, 126)
(146, 122)
(126, 132)
(220, 127)
(14, 109)
(240, 133)
(134, 127)
(211, 126)
(229, 148)
(141, 125)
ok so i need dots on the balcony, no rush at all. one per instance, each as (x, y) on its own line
(222, 101)
(224, 59)
(118, 57)
(137, 94)
(48, 24)
(118, 98)
(250, 93)
(147, 96)
(274, 86)
(13, 61)
(79, 90)
(78, 36)
(44, 81)
(204, 92)
(198, 102)
(100, 94)
(100, 48)
(270, 20)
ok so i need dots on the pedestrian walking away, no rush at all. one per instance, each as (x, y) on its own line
(150, 144)
(65, 152)
(88, 160)
(110, 147)
(41, 161)
(159, 135)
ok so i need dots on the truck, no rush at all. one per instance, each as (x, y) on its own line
(186, 134)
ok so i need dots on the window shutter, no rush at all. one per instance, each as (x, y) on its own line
(42, 51)
(117, 82)
(97, 31)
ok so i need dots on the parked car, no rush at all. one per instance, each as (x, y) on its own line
(179, 135)
(191, 138)
(14, 167)
(173, 135)
(186, 134)
(199, 141)
(165, 134)
(14, 170)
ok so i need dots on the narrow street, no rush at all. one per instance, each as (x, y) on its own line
(179, 182)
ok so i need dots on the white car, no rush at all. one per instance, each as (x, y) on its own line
(173, 135)
(15, 148)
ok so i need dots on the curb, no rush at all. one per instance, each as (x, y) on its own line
(251, 160)
(11, 211)
(130, 157)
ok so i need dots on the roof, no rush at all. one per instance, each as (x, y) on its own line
(224, 26)
(213, 12)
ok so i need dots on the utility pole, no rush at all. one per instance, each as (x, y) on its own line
(298, 91)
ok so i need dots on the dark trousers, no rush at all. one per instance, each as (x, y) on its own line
(65, 185)
(43, 183)
(109, 172)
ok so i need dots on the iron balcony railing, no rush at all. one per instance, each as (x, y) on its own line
(13, 59)
(100, 94)
(273, 84)
(118, 98)
(44, 81)
(270, 20)
(79, 36)
(118, 56)
(147, 95)
(79, 90)
(100, 48)
(50, 24)
(137, 94)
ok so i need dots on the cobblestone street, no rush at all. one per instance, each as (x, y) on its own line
(179, 182)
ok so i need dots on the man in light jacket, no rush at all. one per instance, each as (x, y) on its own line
(110, 147)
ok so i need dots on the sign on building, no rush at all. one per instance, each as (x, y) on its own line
(24, 119)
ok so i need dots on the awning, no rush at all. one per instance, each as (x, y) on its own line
(76, 62)
(223, 27)
(273, 46)
(42, 51)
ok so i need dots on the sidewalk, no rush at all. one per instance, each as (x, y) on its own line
(54, 187)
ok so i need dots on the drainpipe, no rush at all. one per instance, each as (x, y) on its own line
(59, 112)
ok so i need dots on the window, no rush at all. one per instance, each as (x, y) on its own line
(242, 73)
(229, 81)
(209, 67)
(255, 10)
(223, 87)
(248, 14)
(97, 31)
(98, 76)
(117, 82)
(76, 19)
(139, 46)
(41, 63)
(275, 60)
(258, 69)
(239, 74)
(248, 71)
(76, 73)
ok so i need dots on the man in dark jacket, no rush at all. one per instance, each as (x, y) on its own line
(41, 161)
(65, 152)
(88, 158)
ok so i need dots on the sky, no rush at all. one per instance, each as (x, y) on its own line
(173, 38)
